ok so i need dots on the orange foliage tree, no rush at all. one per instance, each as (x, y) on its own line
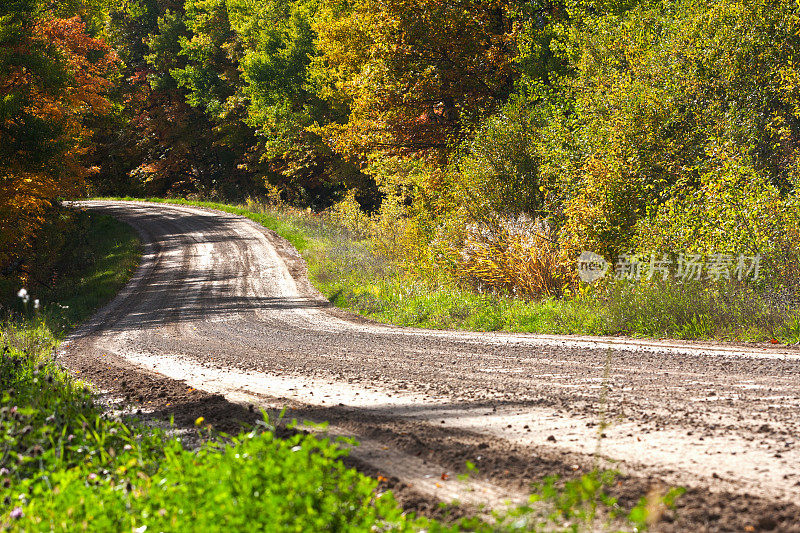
(55, 79)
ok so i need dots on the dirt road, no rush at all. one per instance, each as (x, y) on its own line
(221, 313)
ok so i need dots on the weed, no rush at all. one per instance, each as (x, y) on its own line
(583, 504)
(348, 268)
(694, 310)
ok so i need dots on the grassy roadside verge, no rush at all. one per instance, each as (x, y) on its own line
(347, 270)
(80, 267)
(66, 465)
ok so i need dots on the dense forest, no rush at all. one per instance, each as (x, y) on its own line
(490, 139)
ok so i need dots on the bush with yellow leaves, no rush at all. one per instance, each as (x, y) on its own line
(517, 255)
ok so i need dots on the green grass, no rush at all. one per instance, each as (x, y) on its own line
(89, 258)
(65, 466)
(116, 252)
(346, 269)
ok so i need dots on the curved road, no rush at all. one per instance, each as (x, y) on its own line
(222, 304)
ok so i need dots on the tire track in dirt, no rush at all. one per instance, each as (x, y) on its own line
(224, 305)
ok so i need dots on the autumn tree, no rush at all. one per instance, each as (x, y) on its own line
(158, 143)
(55, 79)
(416, 75)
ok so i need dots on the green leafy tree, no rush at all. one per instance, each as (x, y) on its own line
(283, 102)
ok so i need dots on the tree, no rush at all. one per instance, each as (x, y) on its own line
(284, 104)
(417, 75)
(55, 81)
(664, 95)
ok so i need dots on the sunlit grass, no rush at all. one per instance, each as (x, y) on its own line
(347, 270)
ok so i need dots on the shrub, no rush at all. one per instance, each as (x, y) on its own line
(735, 210)
(517, 256)
(347, 214)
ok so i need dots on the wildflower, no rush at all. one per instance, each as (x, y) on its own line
(199, 421)
(23, 295)
(36, 303)
(92, 476)
(17, 513)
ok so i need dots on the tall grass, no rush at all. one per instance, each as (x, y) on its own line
(346, 265)
(696, 310)
(516, 256)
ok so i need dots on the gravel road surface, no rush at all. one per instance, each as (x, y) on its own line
(220, 317)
